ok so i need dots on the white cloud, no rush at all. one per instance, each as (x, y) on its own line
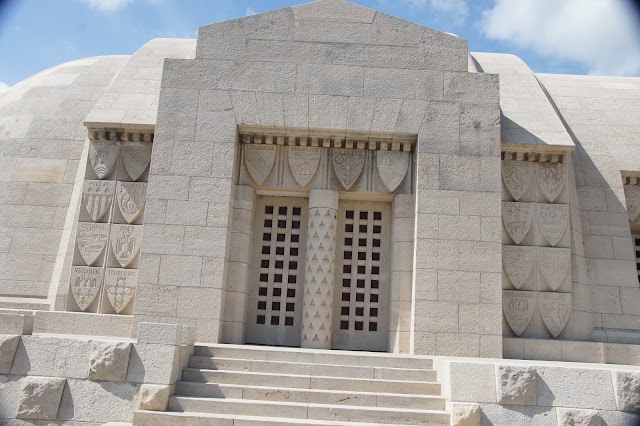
(108, 5)
(3, 87)
(250, 11)
(603, 35)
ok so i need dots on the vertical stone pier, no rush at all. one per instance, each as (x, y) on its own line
(320, 269)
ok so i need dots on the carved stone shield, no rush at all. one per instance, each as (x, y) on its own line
(518, 263)
(517, 219)
(131, 197)
(92, 240)
(555, 309)
(632, 197)
(259, 160)
(85, 284)
(392, 167)
(97, 196)
(348, 164)
(120, 285)
(551, 178)
(518, 308)
(125, 242)
(136, 157)
(516, 176)
(303, 162)
(554, 264)
(103, 156)
(553, 220)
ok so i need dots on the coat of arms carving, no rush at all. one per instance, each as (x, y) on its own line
(103, 156)
(303, 162)
(518, 263)
(91, 241)
(632, 197)
(518, 308)
(97, 196)
(348, 165)
(136, 157)
(392, 167)
(125, 243)
(553, 220)
(259, 160)
(131, 197)
(85, 285)
(554, 264)
(517, 219)
(516, 176)
(551, 178)
(555, 309)
(120, 286)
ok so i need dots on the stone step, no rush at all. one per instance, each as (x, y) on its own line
(368, 359)
(309, 382)
(295, 410)
(267, 393)
(313, 369)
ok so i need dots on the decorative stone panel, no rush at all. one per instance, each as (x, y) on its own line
(40, 398)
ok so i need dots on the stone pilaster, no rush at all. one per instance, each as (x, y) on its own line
(320, 269)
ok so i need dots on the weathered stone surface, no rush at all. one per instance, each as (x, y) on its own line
(465, 414)
(8, 346)
(109, 361)
(627, 389)
(40, 398)
(516, 385)
(571, 417)
(154, 397)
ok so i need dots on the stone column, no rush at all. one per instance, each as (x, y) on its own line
(320, 269)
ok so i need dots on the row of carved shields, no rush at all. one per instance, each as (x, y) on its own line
(519, 307)
(553, 263)
(92, 241)
(518, 175)
(347, 164)
(552, 220)
(104, 155)
(97, 197)
(120, 286)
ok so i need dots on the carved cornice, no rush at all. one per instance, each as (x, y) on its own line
(532, 156)
(121, 135)
(630, 177)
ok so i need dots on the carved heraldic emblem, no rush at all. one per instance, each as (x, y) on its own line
(136, 157)
(553, 220)
(348, 165)
(103, 156)
(516, 176)
(517, 219)
(97, 196)
(518, 308)
(92, 240)
(518, 263)
(555, 309)
(131, 197)
(392, 167)
(85, 285)
(551, 178)
(259, 160)
(125, 242)
(120, 285)
(554, 264)
(303, 162)
(632, 197)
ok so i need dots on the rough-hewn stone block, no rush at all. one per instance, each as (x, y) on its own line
(516, 385)
(109, 361)
(40, 398)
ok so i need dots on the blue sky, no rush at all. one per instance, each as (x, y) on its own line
(552, 36)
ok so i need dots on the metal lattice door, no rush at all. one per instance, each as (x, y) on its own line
(361, 295)
(276, 290)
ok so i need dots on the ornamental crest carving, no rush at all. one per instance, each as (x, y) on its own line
(125, 242)
(131, 197)
(516, 176)
(518, 308)
(136, 157)
(551, 178)
(97, 196)
(259, 160)
(518, 263)
(555, 309)
(632, 197)
(120, 286)
(92, 240)
(103, 156)
(554, 263)
(348, 165)
(392, 167)
(303, 162)
(85, 284)
(517, 219)
(553, 220)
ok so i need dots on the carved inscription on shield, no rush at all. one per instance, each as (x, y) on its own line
(92, 240)
(136, 157)
(517, 219)
(85, 284)
(632, 197)
(348, 164)
(518, 308)
(518, 263)
(303, 162)
(259, 160)
(553, 220)
(392, 167)
(555, 309)
(120, 286)
(551, 179)
(125, 243)
(97, 196)
(131, 197)
(516, 176)
(103, 156)
(554, 263)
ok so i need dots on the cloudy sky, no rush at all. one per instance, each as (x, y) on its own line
(552, 36)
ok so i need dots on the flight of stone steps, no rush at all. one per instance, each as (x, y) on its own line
(254, 385)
